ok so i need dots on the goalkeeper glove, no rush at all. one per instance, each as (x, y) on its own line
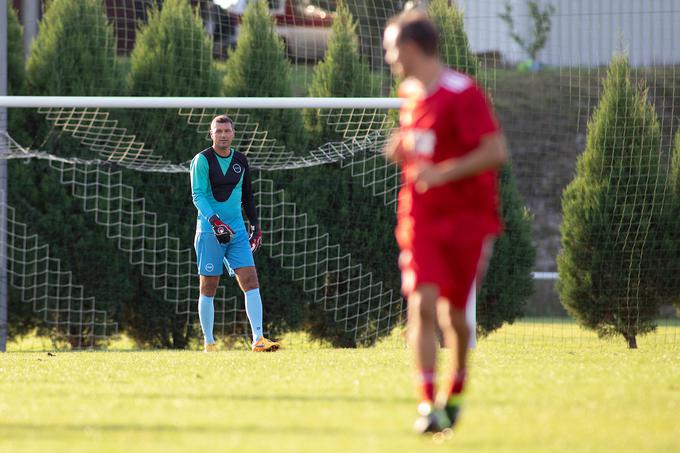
(255, 238)
(222, 231)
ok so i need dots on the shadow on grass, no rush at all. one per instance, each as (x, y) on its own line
(45, 430)
(257, 398)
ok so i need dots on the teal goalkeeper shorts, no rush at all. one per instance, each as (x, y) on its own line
(211, 255)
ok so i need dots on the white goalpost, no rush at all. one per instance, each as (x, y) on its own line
(151, 102)
(362, 303)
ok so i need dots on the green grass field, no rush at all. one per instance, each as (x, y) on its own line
(553, 395)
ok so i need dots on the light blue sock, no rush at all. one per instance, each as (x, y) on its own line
(206, 313)
(254, 311)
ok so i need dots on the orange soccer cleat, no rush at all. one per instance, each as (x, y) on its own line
(264, 345)
(210, 347)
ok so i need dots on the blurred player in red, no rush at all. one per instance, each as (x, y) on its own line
(449, 147)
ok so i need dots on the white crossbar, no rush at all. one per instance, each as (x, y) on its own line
(196, 102)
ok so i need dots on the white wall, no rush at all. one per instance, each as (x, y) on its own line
(584, 32)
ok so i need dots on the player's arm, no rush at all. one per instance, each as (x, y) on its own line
(473, 122)
(200, 187)
(248, 202)
(393, 148)
(490, 154)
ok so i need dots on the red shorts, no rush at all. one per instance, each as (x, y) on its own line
(451, 265)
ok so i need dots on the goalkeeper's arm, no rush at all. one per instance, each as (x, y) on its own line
(199, 190)
(200, 186)
(248, 202)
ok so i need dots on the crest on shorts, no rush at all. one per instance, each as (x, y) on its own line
(209, 267)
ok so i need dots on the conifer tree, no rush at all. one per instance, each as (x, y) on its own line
(508, 283)
(172, 57)
(454, 46)
(74, 53)
(258, 68)
(608, 269)
(16, 71)
(341, 73)
(671, 228)
(16, 75)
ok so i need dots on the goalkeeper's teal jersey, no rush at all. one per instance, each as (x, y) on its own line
(222, 186)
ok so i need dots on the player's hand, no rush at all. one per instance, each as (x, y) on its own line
(222, 231)
(428, 176)
(394, 149)
(255, 238)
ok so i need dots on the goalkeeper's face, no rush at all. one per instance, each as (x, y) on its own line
(222, 135)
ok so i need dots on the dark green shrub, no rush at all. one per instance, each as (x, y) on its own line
(509, 282)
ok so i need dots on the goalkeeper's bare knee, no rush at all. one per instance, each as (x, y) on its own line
(208, 285)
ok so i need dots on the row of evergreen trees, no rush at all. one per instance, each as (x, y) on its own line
(74, 54)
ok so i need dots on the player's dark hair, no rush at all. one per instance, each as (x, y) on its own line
(416, 26)
(222, 119)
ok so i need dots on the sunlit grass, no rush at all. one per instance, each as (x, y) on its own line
(563, 393)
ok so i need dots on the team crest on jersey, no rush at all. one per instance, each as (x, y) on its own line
(237, 168)
(420, 141)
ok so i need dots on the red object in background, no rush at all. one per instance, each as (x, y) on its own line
(304, 27)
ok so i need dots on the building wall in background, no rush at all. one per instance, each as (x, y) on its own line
(584, 32)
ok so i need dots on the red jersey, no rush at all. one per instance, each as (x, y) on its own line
(447, 123)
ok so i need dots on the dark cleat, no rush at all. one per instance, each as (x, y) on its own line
(452, 408)
(430, 420)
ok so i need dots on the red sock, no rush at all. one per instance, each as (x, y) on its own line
(458, 382)
(427, 384)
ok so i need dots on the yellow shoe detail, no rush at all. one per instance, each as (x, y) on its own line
(264, 345)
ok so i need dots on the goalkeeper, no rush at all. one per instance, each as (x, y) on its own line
(221, 187)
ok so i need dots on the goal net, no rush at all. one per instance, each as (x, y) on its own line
(100, 221)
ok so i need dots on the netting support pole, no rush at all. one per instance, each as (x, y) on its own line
(3, 179)
(471, 315)
(30, 13)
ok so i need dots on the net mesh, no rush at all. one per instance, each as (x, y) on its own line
(543, 100)
(44, 282)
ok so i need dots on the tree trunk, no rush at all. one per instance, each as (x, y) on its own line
(632, 342)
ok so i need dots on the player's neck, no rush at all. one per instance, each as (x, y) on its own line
(429, 74)
(223, 152)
